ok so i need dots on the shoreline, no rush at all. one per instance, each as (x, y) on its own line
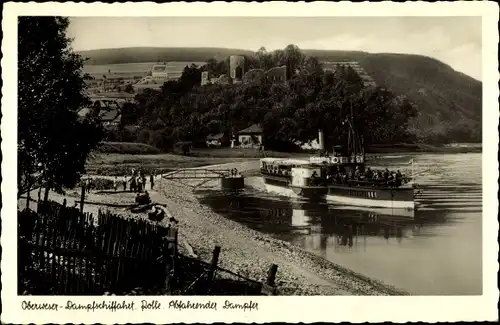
(243, 250)
(251, 252)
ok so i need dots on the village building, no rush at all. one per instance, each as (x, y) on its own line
(109, 111)
(277, 74)
(251, 137)
(111, 118)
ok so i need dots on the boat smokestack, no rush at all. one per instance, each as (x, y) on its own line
(321, 140)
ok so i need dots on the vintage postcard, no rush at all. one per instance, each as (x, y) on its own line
(249, 162)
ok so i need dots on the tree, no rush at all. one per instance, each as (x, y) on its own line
(53, 142)
(293, 58)
(290, 112)
(264, 59)
(129, 114)
(191, 76)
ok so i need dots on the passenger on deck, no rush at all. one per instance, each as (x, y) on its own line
(344, 178)
(338, 178)
(390, 180)
(386, 175)
(357, 173)
(314, 178)
(399, 178)
(369, 174)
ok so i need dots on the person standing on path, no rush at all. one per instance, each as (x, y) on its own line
(115, 183)
(124, 182)
(133, 184)
(152, 180)
(139, 184)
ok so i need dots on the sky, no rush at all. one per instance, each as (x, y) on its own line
(456, 41)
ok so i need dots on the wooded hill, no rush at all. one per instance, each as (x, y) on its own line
(449, 102)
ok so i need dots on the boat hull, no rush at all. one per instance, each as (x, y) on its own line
(393, 198)
(371, 203)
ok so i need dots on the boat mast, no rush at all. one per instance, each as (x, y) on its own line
(356, 143)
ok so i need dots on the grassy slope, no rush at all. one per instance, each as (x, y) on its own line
(441, 93)
(127, 148)
(114, 158)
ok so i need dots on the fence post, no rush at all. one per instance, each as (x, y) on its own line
(82, 198)
(213, 266)
(269, 288)
(46, 195)
(28, 197)
(171, 256)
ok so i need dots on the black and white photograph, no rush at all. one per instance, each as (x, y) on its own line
(232, 156)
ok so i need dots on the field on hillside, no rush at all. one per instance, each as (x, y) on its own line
(133, 69)
(126, 148)
(122, 164)
(115, 158)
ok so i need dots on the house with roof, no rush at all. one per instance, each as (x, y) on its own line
(108, 110)
(216, 140)
(251, 137)
(110, 118)
(277, 74)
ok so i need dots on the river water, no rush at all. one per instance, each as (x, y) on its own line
(436, 250)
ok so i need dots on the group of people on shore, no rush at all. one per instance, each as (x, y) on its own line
(89, 185)
(137, 181)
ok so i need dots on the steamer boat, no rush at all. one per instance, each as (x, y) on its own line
(342, 178)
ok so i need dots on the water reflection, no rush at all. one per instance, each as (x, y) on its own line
(419, 251)
(317, 226)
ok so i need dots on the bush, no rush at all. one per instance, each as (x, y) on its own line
(144, 136)
(100, 183)
(183, 147)
(127, 148)
(161, 139)
(124, 134)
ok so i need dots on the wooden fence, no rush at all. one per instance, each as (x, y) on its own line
(196, 277)
(66, 252)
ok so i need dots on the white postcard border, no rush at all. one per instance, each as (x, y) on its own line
(271, 309)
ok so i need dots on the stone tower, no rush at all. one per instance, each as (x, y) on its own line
(236, 67)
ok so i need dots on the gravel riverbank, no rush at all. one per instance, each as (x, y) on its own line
(243, 250)
(250, 253)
